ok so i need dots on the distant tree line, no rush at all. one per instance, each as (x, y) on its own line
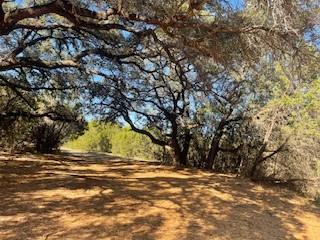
(115, 139)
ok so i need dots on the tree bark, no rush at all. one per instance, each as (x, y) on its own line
(180, 154)
(214, 147)
(177, 153)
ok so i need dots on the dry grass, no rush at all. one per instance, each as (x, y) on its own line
(91, 196)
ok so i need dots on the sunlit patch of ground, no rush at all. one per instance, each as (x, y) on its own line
(96, 196)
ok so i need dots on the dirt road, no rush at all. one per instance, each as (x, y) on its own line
(95, 196)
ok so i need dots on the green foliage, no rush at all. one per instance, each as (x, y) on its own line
(22, 128)
(48, 136)
(111, 138)
(130, 144)
(91, 140)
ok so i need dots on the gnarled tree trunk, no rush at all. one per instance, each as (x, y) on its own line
(214, 146)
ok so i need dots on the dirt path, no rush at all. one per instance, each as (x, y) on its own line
(91, 196)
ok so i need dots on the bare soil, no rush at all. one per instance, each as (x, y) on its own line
(96, 196)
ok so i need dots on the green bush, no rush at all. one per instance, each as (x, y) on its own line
(111, 138)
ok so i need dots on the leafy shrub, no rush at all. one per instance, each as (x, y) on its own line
(108, 137)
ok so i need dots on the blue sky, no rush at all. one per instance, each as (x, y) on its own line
(237, 3)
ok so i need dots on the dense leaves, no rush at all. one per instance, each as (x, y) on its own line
(114, 139)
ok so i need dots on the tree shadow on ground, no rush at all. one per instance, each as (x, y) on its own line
(97, 196)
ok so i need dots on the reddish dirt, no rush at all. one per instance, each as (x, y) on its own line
(96, 196)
